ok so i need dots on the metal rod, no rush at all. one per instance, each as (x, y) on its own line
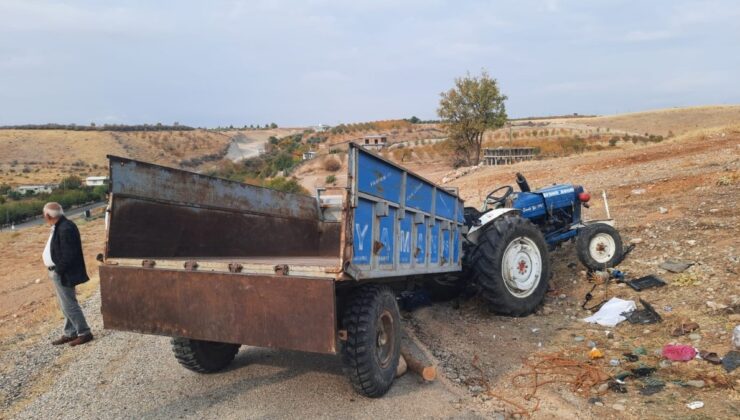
(606, 204)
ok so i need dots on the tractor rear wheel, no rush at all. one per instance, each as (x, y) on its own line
(370, 354)
(511, 265)
(203, 356)
(599, 246)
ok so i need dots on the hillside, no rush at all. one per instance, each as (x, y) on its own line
(665, 121)
(41, 156)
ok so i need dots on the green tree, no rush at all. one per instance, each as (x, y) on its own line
(273, 125)
(72, 182)
(473, 106)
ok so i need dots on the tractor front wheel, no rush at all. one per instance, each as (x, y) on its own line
(511, 265)
(599, 246)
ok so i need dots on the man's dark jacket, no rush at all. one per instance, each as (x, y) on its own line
(66, 252)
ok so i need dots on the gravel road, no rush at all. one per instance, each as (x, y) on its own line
(124, 375)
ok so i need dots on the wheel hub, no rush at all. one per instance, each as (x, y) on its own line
(384, 339)
(602, 248)
(521, 267)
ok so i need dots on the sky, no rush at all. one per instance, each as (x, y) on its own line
(298, 63)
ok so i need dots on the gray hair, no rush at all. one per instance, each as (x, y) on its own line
(53, 210)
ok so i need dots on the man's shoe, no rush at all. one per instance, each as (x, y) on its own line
(81, 339)
(63, 340)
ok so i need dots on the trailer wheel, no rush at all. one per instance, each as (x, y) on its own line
(599, 246)
(370, 354)
(511, 265)
(203, 356)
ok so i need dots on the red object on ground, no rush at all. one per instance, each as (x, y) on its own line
(679, 352)
(584, 196)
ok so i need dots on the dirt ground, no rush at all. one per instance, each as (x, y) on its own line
(696, 180)
(675, 200)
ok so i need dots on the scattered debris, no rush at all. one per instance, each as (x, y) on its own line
(652, 386)
(710, 357)
(676, 266)
(731, 360)
(631, 357)
(402, 366)
(678, 352)
(648, 315)
(614, 362)
(639, 350)
(695, 383)
(646, 282)
(662, 210)
(685, 328)
(643, 371)
(618, 386)
(595, 354)
(736, 337)
(695, 405)
(611, 313)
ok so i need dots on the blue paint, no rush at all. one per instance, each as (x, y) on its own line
(405, 240)
(418, 194)
(456, 246)
(386, 237)
(446, 204)
(378, 178)
(363, 232)
(446, 246)
(555, 237)
(421, 242)
(434, 243)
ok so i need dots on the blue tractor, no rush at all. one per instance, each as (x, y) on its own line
(508, 240)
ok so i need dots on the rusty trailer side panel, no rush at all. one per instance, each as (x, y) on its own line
(287, 312)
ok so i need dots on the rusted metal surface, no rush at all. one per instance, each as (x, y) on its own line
(146, 180)
(235, 267)
(190, 265)
(296, 313)
(148, 263)
(149, 229)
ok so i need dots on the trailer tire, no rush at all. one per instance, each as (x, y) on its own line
(531, 273)
(599, 246)
(370, 354)
(203, 356)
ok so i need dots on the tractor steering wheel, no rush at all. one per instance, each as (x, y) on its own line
(492, 199)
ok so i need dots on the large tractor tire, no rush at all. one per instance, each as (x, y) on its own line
(511, 265)
(370, 354)
(203, 356)
(599, 246)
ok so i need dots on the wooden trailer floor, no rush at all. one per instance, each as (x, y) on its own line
(328, 267)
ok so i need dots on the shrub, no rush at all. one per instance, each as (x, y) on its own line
(290, 185)
(613, 141)
(332, 165)
(331, 179)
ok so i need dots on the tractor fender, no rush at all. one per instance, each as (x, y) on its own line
(486, 219)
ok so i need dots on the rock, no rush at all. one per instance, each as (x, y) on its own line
(603, 388)
(665, 363)
(734, 317)
(563, 296)
(695, 383)
(614, 362)
(609, 334)
(662, 210)
(713, 210)
(695, 336)
(475, 389)
(37, 281)
(592, 344)
(402, 367)
(691, 242)
(636, 241)
(618, 407)
(716, 306)
(579, 338)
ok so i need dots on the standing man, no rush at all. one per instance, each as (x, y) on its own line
(63, 257)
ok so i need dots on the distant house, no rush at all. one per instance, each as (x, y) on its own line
(94, 181)
(376, 142)
(309, 155)
(35, 189)
(321, 128)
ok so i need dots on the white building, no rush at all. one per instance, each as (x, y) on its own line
(374, 142)
(94, 181)
(309, 155)
(35, 189)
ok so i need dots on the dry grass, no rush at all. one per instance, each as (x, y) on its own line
(665, 121)
(41, 156)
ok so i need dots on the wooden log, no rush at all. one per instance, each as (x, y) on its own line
(428, 372)
(402, 367)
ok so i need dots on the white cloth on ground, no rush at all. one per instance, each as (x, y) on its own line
(610, 313)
